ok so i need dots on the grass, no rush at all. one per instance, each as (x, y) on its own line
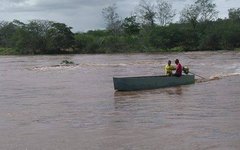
(8, 51)
(237, 49)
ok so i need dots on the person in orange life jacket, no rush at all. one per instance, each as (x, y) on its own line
(179, 68)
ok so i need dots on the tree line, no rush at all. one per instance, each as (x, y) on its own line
(149, 29)
(36, 37)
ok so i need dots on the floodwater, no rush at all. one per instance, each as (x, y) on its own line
(46, 106)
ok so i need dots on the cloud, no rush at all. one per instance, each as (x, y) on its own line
(84, 15)
(12, 1)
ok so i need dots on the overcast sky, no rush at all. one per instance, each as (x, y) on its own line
(85, 15)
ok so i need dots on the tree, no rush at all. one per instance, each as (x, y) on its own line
(112, 18)
(60, 37)
(23, 41)
(37, 30)
(2, 38)
(200, 11)
(234, 14)
(31, 38)
(7, 31)
(207, 10)
(190, 15)
(147, 13)
(130, 26)
(165, 13)
(18, 23)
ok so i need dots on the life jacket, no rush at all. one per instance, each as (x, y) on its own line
(169, 69)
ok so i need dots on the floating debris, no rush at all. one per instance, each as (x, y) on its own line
(66, 62)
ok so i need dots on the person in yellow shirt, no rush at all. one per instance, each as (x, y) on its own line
(169, 68)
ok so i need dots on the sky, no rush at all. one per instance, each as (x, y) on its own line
(84, 15)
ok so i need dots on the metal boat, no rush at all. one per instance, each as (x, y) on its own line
(150, 82)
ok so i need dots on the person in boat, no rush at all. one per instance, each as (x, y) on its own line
(169, 68)
(179, 68)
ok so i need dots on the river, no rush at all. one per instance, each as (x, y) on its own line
(47, 106)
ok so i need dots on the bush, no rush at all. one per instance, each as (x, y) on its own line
(8, 51)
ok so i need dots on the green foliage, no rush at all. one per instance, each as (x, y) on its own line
(59, 37)
(211, 41)
(23, 44)
(7, 31)
(88, 43)
(8, 51)
(234, 14)
(177, 49)
(47, 37)
(130, 26)
(36, 37)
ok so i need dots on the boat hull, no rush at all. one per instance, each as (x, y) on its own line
(150, 82)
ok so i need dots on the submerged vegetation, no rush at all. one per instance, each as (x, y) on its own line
(150, 30)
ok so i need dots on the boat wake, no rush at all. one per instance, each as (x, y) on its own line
(217, 77)
(54, 67)
(74, 66)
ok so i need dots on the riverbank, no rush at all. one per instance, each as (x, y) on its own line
(11, 51)
(177, 37)
(8, 51)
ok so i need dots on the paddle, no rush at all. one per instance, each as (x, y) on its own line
(197, 75)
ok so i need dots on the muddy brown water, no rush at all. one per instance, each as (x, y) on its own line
(46, 106)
